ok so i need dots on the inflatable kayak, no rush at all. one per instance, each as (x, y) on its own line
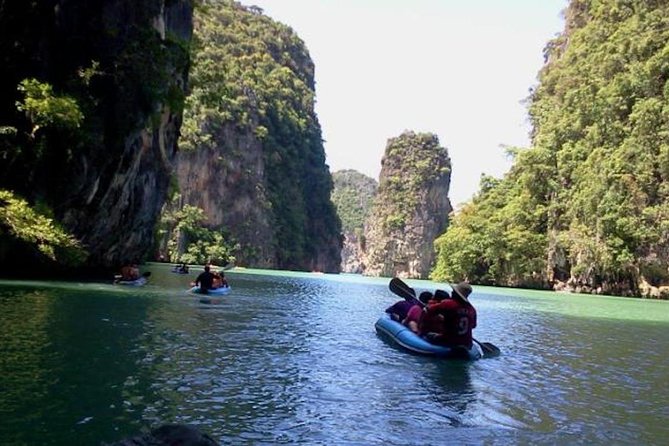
(410, 341)
(137, 282)
(222, 291)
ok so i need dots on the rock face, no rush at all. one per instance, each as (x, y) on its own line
(411, 207)
(227, 182)
(353, 196)
(353, 254)
(125, 64)
(255, 161)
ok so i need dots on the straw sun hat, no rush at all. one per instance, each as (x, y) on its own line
(462, 291)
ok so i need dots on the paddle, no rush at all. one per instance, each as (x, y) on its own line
(400, 288)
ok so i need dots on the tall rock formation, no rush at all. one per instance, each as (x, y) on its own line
(253, 155)
(353, 196)
(94, 138)
(411, 207)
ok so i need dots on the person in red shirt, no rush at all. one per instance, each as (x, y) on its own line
(459, 319)
(432, 323)
(415, 314)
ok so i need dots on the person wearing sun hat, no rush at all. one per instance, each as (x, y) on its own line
(458, 318)
(462, 291)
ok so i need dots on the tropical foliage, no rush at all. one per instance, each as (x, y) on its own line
(588, 204)
(191, 241)
(352, 195)
(21, 222)
(80, 82)
(43, 108)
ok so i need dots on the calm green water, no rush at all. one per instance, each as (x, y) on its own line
(291, 358)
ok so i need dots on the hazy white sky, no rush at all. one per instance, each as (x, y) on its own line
(458, 68)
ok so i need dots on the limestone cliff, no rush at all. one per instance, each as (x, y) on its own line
(253, 156)
(122, 66)
(411, 207)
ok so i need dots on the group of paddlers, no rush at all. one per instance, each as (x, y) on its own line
(441, 318)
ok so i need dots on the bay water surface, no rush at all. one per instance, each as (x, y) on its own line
(293, 358)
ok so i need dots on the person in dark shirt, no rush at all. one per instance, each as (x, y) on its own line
(398, 311)
(205, 280)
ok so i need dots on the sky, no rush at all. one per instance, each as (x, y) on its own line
(461, 69)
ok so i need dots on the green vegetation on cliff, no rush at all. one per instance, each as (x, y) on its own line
(24, 228)
(255, 75)
(588, 204)
(353, 195)
(412, 161)
(190, 241)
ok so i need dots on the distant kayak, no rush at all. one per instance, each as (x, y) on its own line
(137, 282)
(410, 341)
(221, 291)
(141, 281)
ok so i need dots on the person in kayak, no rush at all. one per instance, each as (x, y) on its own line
(435, 323)
(450, 322)
(414, 316)
(130, 272)
(219, 280)
(181, 268)
(399, 310)
(205, 280)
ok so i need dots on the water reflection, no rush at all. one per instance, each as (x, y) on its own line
(450, 387)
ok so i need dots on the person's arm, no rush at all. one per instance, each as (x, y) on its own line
(413, 318)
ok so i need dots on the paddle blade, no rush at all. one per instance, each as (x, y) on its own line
(400, 288)
(489, 350)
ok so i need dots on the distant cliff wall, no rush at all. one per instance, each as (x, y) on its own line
(353, 196)
(411, 207)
